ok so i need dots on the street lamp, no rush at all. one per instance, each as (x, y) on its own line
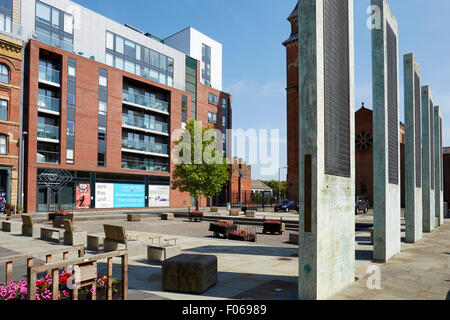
(279, 182)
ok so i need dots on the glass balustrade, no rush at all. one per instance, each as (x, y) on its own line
(139, 145)
(146, 124)
(144, 166)
(48, 74)
(145, 101)
(47, 157)
(48, 103)
(48, 132)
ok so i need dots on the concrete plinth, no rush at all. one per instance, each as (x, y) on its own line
(11, 226)
(439, 174)
(34, 231)
(95, 243)
(135, 249)
(386, 129)
(161, 252)
(75, 238)
(428, 196)
(327, 148)
(413, 149)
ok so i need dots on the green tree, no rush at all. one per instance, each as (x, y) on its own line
(275, 186)
(200, 170)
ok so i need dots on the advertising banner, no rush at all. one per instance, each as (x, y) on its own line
(109, 196)
(158, 196)
(83, 196)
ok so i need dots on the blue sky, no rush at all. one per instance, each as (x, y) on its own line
(254, 60)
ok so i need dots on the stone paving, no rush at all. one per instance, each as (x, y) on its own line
(267, 270)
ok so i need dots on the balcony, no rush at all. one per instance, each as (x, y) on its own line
(143, 147)
(48, 133)
(48, 104)
(48, 157)
(145, 124)
(147, 102)
(148, 166)
(49, 76)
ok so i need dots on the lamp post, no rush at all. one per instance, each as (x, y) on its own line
(279, 183)
(241, 174)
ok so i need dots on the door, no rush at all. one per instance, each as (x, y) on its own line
(48, 199)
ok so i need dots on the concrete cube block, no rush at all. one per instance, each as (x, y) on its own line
(34, 231)
(162, 252)
(214, 209)
(189, 273)
(293, 237)
(11, 226)
(75, 238)
(167, 216)
(134, 217)
(250, 213)
(235, 212)
(95, 243)
(52, 235)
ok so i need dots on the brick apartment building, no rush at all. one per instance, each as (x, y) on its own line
(101, 101)
(241, 181)
(10, 95)
(363, 128)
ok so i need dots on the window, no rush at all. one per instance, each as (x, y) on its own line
(103, 81)
(68, 23)
(119, 45)
(212, 118)
(110, 60)
(55, 18)
(154, 58)
(72, 71)
(109, 40)
(224, 122)
(129, 66)
(119, 63)
(212, 99)
(4, 73)
(69, 156)
(6, 15)
(130, 49)
(4, 110)
(183, 109)
(3, 145)
(206, 65)
(43, 12)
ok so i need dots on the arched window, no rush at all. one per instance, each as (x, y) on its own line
(4, 73)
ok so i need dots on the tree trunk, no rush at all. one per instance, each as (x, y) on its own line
(197, 205)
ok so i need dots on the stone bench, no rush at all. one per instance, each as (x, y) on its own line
(29, 229)
(235, 212)
(116, 239)
(133, 217)
(11, 226)
(95, 242)
(72, 236)
(162, 252)
(250, 214)
(167, 216)
(188, 273)
(47, 234)
(293, 238)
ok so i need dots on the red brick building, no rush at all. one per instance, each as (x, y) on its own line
(241, 181)
(81, 118)
(10, 83)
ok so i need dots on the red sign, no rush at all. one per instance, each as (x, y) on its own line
(83, 196)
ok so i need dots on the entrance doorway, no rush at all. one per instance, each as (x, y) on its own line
(48, 199)
(5, 187)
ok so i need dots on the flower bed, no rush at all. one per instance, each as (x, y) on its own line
(273, 226)
(196, 215)
(19, 290)
(61, 213)
(222, 227)
(242, 236)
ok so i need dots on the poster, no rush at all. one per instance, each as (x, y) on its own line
(83, 196)
(158, 196)
(109, 196)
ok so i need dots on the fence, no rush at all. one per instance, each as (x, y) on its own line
(256, 198)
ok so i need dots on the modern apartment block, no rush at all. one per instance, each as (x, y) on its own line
(101, 101)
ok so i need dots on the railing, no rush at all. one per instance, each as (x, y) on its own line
(10, 27)
(145, 101)
(9, 261)
(48, 74)
(48, 103)
(145, 146)
(143, 123)
(48, 132)
(85, 275)
(47, 157)
(145, 166)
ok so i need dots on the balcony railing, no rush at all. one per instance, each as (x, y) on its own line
(8, 26)
(48, 157)
(147, 124)
(145, 166)
(48, 74)
(48, 103)
(48, 132)
(145, 101)
(145, 146)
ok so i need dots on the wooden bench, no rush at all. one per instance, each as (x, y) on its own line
(116, 239)
(132, 217)
(48, 233)
(167, 216)
(11, 226)
(72, 236)
(189, 273)
(29, 229)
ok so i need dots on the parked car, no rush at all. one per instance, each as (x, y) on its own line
(362, 204)
(287, 205)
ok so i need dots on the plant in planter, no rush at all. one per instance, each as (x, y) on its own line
(61, 213)
(273, 226)
(196, 215)
(242, 236)
(222, 227)
(19, 209)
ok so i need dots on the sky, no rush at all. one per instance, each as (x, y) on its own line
(254, 59)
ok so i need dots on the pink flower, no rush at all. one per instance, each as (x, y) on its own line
(92, 290)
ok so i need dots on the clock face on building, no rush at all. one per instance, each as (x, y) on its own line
(364, 141)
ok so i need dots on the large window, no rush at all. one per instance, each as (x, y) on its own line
(4, 110)
(3, 145)
(212, 117)
(6, 7)
(212, 99)
(131, 57)
(4, 73)
(206, 65)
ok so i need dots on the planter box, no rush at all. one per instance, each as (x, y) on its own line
(274, 228)
(102, 293)
(225, 230)
(196, 216)
(52, 216)
(248, 238)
